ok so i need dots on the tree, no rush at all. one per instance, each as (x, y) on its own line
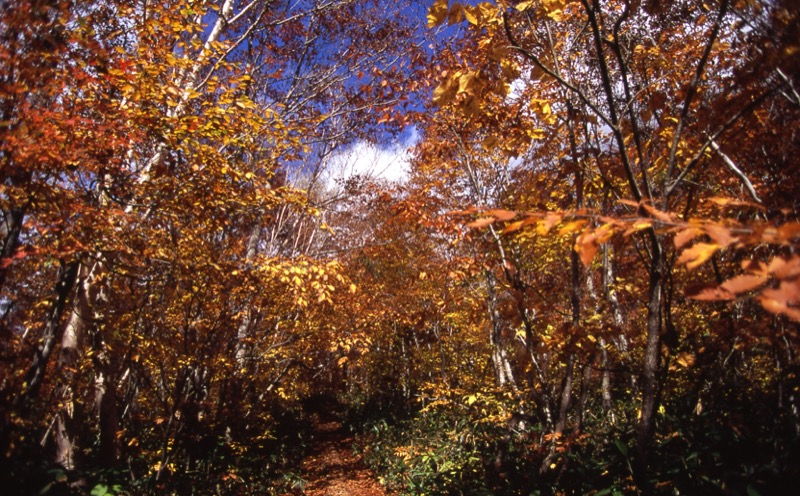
(140, 148)
(589, 95)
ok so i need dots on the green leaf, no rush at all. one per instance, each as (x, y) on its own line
(751, 491)
(621, 447)
(100, 490)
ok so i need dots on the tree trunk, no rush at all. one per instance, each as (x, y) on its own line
(502, 367)
(10, 229)
(650, 379)
(35, 374)
(83, 315)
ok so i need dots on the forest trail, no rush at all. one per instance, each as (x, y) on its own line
(332, 468)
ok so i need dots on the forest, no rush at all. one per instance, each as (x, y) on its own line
(540, 247)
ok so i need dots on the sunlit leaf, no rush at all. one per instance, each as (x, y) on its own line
(482, 222)
(697, 254)
(437, 13)
(501, 215)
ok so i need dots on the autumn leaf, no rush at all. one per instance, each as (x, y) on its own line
(437, 13)
(572, 226)
(784, 268)
(586, 249)
(698, 254)
(743, 283)
(721, 235)
(709, 293)
(779, 306)
(685, 235)
(731, 202)
(550, 220)
(522, 6)
(481, 222)
(658, 214)
(501, 215)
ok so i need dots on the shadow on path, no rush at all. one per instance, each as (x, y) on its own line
(331, 468)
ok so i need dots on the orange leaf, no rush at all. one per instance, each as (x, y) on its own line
(720, 235)
(658, 214)
(547, 223)
(482, 222)
(787, 292)
(572, 226)
(685, 236)
(731, 202)
(697, 254)
(586, 251)
(501, 215)
(784, 269)
(743, 283)
(513, 227)
(780, 307)
(468, 211)
(755, 266)
(709, 293)
(789, 231)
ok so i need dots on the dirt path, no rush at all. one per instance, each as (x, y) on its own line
(332, 469)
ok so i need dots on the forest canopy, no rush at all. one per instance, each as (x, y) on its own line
(586, 280)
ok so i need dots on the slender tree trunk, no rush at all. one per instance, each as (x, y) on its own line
(35, 374)
(83, 315)
(611, 298)
(565, 399)
(650, 379)
(10, 229)
(586, 382)
(36, 371)
(502, 367)
(243, 331)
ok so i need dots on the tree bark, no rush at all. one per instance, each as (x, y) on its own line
(502, 367)
(650, 379)
(36, 371)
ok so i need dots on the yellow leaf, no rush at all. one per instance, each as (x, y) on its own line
(547, 223)
(455, 15)
(437, 13)
(572, 226)
(470, 15)
(697, 254)
(524, 5)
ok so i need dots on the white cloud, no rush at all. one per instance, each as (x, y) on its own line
(388, 162)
